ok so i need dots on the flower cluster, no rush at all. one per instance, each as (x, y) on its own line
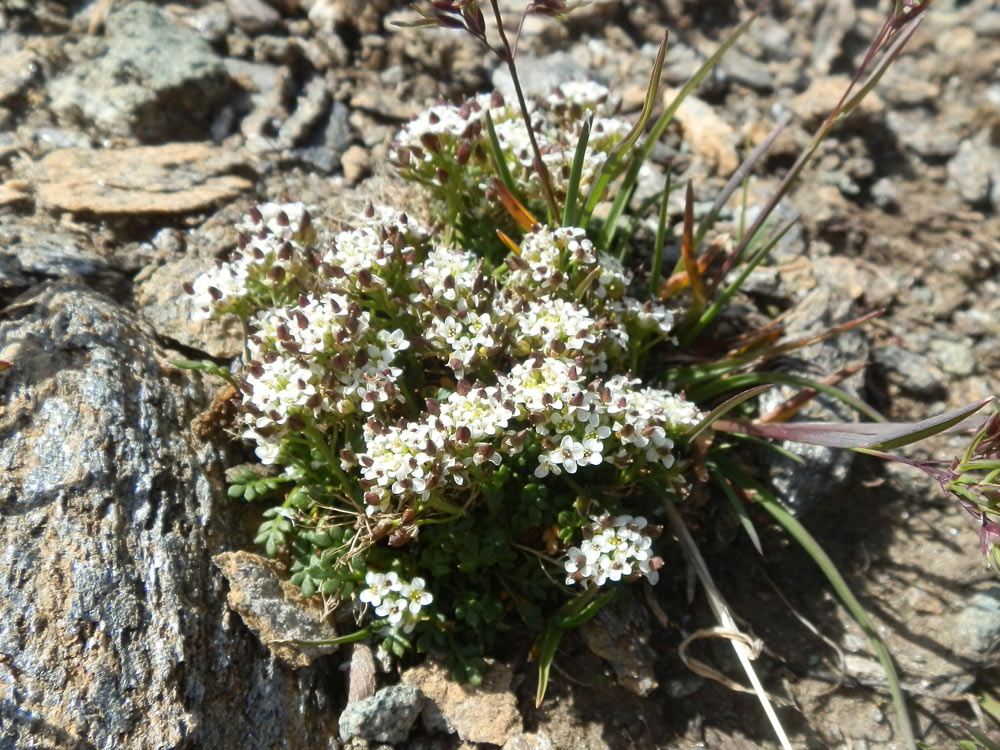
(615, 549)
(446, 147)
(399, 381)
(398, 602)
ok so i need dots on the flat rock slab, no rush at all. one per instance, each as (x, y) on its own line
(273, 608)
(173, 179)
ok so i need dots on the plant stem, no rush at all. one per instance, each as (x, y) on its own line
(543, 172)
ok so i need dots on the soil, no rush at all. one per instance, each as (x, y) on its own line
(901, 211)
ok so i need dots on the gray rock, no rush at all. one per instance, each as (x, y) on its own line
(886, 194)
(336, 138)
(747, 71)
(387, 716)
(971, 170)
(621, 637)
(954, 356)
(911, 372)
(162, 301)
(253, 16)
(211, 21)
(114, 630)
(156, 80)
(311, 105)
(539, 75)
(979, 622)
(28, 253)
(923, 135)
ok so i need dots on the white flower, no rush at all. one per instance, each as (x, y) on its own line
(616, 549)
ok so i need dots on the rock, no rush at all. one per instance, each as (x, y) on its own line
(387, 716)
(253, 16)
(835, 20)
(14, 191)
(18, 68)
(210, 21)
(28, 252)
(710, 137)
(622, 639)
(953, 356)
(539, 75)
(156, 80)
(979, 622)
(906, 85)
(912, 373)
(529, 741)
(274, 609)
(357, 164)
(312, 104)
(742, 69)
(114, 630)
(487, 713)
(161, 300)
(817, 101)
(886, 194)
(974, 168)
(172, 179)
(929, 138)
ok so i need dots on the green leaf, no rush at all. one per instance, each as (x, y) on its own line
(206, 366)
(812, 548)
(570, 210)
(737, 505)
(547, 644)
(876, 436)
(497, 154)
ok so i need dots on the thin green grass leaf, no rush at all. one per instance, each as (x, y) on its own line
(571, 210)
(611, 167)
(877, 437)
(656, 132)
(812, 548)
(618, 206)
(548, 644)
(621, 244)
(661, 232)
(722, 409)
(496, 153)
(723, 299)
(752, 379)
(737, 505)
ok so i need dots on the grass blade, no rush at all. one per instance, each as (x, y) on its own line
(737, 505)
(723, 299)
(497, 154)
(661, 231)
(570, 209)
(812, 548)
(611, 166)
(725, 408)
(751, 379)
(656, 132)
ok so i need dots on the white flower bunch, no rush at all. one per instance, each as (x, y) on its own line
(615, 549)
(401, 381)
(446, 146)
(270, 259)
(397, 601)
